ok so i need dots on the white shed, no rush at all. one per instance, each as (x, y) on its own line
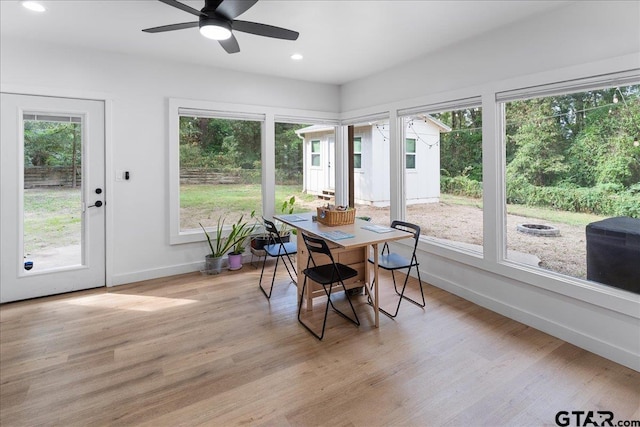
(371, 160)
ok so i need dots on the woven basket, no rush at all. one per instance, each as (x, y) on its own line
(332, 217)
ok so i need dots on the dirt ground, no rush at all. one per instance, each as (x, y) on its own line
(565, 253)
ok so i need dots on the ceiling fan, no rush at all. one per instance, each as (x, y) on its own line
(217, 21)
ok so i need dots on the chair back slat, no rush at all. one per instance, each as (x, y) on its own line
(272, 230)
(409, 228)
(316, 246)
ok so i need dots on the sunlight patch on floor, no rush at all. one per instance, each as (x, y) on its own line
(129, 302)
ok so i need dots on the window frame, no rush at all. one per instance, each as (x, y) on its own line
(541, 91)
(269, 116)
(452, 250)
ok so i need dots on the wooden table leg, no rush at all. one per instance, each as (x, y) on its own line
(375, 285)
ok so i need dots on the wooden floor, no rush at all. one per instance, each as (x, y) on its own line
(211, 350)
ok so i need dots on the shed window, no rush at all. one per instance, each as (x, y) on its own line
(357, 152)
(315, 152)
(411, 153)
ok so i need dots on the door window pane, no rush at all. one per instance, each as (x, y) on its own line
(52, 207)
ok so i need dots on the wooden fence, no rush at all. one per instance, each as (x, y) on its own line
(51, 176)
(61, 176)
(210, 176)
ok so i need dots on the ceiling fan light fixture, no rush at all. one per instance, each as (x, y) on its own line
(215, 29)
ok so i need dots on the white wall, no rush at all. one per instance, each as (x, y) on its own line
(579, 33)
(138, 89)
(584, 39)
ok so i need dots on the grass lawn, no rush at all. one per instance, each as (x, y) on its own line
(551, 215)
(53, 217)
(206, 203)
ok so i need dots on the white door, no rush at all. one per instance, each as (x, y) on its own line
(52, 215)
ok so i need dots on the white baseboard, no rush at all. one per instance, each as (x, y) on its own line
(155, 273)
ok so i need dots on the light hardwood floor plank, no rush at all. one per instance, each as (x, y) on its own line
(213, 351)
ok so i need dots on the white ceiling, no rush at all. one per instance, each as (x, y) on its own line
(341, 40)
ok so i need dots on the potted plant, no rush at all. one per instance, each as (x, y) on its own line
(240, 231)
(259, 241)
(287, 209)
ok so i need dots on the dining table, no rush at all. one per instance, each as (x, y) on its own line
(355, 243)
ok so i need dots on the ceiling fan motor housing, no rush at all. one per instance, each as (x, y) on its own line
(214, 20)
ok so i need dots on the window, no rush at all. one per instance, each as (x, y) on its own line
(290, 169)
(410, 150)
(216, 163)
(357, 152)
(371, 169)
(315, 153)
(572, 159)
(444, 189)
(220, 169)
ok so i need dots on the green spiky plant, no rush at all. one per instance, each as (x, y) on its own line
(234, 242)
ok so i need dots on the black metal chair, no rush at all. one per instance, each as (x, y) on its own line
(326, 275)
(278, 249)
(392, 261)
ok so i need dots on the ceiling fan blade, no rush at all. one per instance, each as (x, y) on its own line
(264, 30)
(171, 27)
(230, 44)
(232, 8)
(184, 7)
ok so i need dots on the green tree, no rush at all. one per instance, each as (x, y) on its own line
(604, 152)
(539, 145)
(289, 156)
(461, 149)
(51, 143)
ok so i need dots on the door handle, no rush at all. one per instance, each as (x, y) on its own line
(96, 205)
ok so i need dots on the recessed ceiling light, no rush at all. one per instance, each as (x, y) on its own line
(33, 5)
(297, 57)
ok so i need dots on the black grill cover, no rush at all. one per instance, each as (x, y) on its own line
(613, 252)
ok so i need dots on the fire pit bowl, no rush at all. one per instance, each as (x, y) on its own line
(539, 230)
